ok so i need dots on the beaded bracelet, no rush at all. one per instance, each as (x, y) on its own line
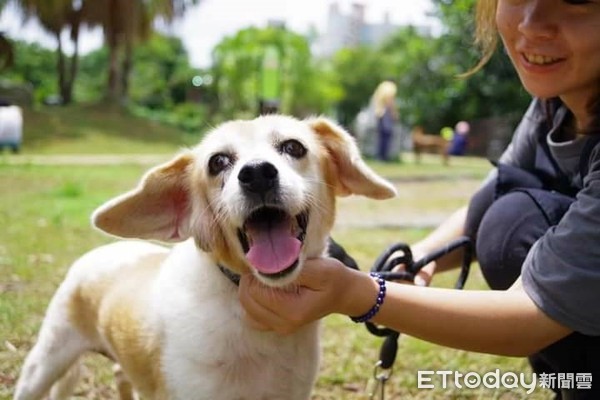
(380, 297)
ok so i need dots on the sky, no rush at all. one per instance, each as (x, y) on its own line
(206, 24)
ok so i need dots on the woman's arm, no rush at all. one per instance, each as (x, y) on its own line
(498, 322)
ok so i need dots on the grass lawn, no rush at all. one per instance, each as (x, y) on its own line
(44, 213)
(93, 129)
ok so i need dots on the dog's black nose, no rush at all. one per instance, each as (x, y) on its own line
(258, 177)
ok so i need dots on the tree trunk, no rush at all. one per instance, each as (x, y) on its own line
(113, 36)
(126, 70)
(74, 60)
(7, 53)
(60, 67)
(113, 71)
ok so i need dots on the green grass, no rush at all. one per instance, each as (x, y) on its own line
(93, 129)
(44, 212)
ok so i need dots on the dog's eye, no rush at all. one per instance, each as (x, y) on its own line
(293, 147)
(219, 162)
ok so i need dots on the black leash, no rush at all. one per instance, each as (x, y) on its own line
(384, 266)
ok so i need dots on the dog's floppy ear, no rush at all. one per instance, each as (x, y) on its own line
(353, 175)
(158, 208)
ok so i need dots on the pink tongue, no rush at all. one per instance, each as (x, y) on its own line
(273, 247)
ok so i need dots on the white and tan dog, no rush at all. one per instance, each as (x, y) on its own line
(255, 196)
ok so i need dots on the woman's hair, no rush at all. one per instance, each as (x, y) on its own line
(486, 33)
(385, 92)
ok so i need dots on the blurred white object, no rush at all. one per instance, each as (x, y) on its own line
(11, 127)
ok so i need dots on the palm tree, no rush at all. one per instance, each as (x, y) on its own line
(55, 16)
(125, 23)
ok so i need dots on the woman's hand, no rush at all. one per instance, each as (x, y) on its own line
(425, 274)
(324, 286)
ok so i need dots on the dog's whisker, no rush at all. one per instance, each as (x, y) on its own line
(315, 203)
(320, 182)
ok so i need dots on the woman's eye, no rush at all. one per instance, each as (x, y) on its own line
(577, 2)
(293, 148)
(218, 163)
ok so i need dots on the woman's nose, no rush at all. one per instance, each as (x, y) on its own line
(538, 20)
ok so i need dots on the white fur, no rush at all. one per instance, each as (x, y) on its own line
(230, 361)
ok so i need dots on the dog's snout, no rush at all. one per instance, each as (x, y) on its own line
(258, 177)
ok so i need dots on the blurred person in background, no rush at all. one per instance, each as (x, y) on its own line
(384, 106)
(460, 139)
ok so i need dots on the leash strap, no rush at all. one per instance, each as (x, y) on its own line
(384, 266)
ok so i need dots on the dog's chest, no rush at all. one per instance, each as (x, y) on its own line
(245, 366)
(211, 353)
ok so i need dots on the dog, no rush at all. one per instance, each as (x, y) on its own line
(428, 143)
(254, 196)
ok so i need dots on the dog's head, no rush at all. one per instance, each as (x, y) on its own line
(258, 195)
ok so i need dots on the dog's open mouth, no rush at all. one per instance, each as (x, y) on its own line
(272, 240)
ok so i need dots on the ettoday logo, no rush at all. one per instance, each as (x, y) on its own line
(472, 380)
(497, 379)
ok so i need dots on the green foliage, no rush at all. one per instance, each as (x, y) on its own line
(160, 84)
(237, 71)
(425, 68)
(91, 85)
(160, 78)
(437, 96)
(161, 72)
(33, 65)
(359, 71)
(188, 117)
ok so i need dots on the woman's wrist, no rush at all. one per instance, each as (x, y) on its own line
(359, 294)
(378, 300)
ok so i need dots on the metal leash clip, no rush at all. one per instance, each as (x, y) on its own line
(376, 385)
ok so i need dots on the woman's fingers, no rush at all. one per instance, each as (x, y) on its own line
(286, 309)
(264, 305)
(423, 277)
(257, 316)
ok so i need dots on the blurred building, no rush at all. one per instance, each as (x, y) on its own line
(348, 28)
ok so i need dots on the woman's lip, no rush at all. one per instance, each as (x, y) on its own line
(543, 64)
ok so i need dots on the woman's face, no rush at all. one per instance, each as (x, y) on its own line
(554, 45)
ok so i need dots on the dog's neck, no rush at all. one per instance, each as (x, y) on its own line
(229, 274)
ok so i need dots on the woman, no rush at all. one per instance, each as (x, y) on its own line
(384, 105)
(538, 215)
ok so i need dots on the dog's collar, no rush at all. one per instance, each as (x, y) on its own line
(229, 274)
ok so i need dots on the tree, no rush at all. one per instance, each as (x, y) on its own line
(493, 91)
(306, 87)
(55, 16)
(359, 71)
(126, 23)
(427, 69)
(34, 66)
(162, 72)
